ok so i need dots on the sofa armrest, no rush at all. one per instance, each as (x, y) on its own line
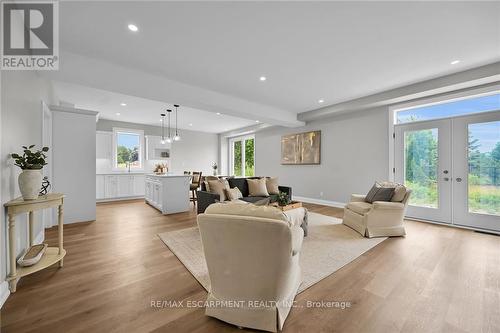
(297, 238)
(388, 205)
(287, 190)
(357, 198)
(205, 199)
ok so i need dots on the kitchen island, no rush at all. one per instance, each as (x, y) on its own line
(169, 193)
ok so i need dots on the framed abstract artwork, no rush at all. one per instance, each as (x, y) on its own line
(301, 148)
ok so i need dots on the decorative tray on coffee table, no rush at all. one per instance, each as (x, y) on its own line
(291, 205)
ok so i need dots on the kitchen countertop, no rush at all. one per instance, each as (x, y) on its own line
(166, 175)
(120, 173)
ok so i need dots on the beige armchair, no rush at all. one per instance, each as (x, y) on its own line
(252, 254)
(378, 219)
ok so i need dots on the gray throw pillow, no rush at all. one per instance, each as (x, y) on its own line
(379, 193)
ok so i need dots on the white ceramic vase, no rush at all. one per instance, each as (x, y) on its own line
(30, 183)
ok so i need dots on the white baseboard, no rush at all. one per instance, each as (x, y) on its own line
(4, 292)
(320, 201)
(119, 199)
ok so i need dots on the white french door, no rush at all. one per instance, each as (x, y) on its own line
(453, 168)
(476, 164)
(423, 163)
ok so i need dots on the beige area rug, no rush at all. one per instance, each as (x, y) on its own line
(328, 247)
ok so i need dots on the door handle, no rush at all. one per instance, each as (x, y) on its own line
(459, 179)
(446, 179)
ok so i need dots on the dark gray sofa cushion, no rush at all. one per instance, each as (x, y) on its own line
(252, 199)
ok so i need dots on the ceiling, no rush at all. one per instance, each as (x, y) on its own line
(144, 111)
(335, 51)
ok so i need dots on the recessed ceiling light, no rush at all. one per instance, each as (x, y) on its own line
(123, 104)
(190, 124)
(454, 62)
(262, 78)
(118, 113)
(321, 101)
(257, 121)
(218, 113)
(133, 27)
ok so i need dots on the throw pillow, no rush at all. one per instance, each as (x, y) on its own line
(379, 193)
(399, 190)
(218, 187)
(272, 185)
(233, 193)
(257, 187)
(207, 186)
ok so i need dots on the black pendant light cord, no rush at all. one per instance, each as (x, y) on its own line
(176, 106)
(169, 111)
(162, 127)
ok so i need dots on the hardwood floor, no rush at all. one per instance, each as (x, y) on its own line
(436, 279)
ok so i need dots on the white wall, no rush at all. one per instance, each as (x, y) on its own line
(195, 152)
(22, 93)
(354, 153)
(74, 168)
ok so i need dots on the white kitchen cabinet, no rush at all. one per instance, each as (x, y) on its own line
(168, 193)
(110, 186)
(99, 187)
(104, 144)
(138, 185)
(120, 186)
(124, 185)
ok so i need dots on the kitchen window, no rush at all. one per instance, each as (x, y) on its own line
(128, 148)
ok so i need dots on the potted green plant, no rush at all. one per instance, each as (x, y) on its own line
(31, 162)
(283, 199)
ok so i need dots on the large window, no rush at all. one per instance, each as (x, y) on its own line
(242, 154)
(127, 149)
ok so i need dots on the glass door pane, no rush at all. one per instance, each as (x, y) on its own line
(421, 166)
(422, 160)
(484, 168)
(476, 171)
(237, 158)
(249, 158)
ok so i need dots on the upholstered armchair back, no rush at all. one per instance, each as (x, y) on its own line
(248, 258)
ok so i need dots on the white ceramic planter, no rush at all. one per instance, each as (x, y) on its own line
(30, 183)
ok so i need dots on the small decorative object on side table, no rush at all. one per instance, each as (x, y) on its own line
(215, 167)
(52, 255)
(45, 186)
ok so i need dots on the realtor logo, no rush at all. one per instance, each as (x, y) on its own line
(30, 35)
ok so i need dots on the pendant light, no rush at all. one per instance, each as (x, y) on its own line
(169, 139)
(177, 137)
(162, 128)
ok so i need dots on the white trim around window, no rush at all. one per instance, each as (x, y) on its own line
(140, 133)
(231, 153)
